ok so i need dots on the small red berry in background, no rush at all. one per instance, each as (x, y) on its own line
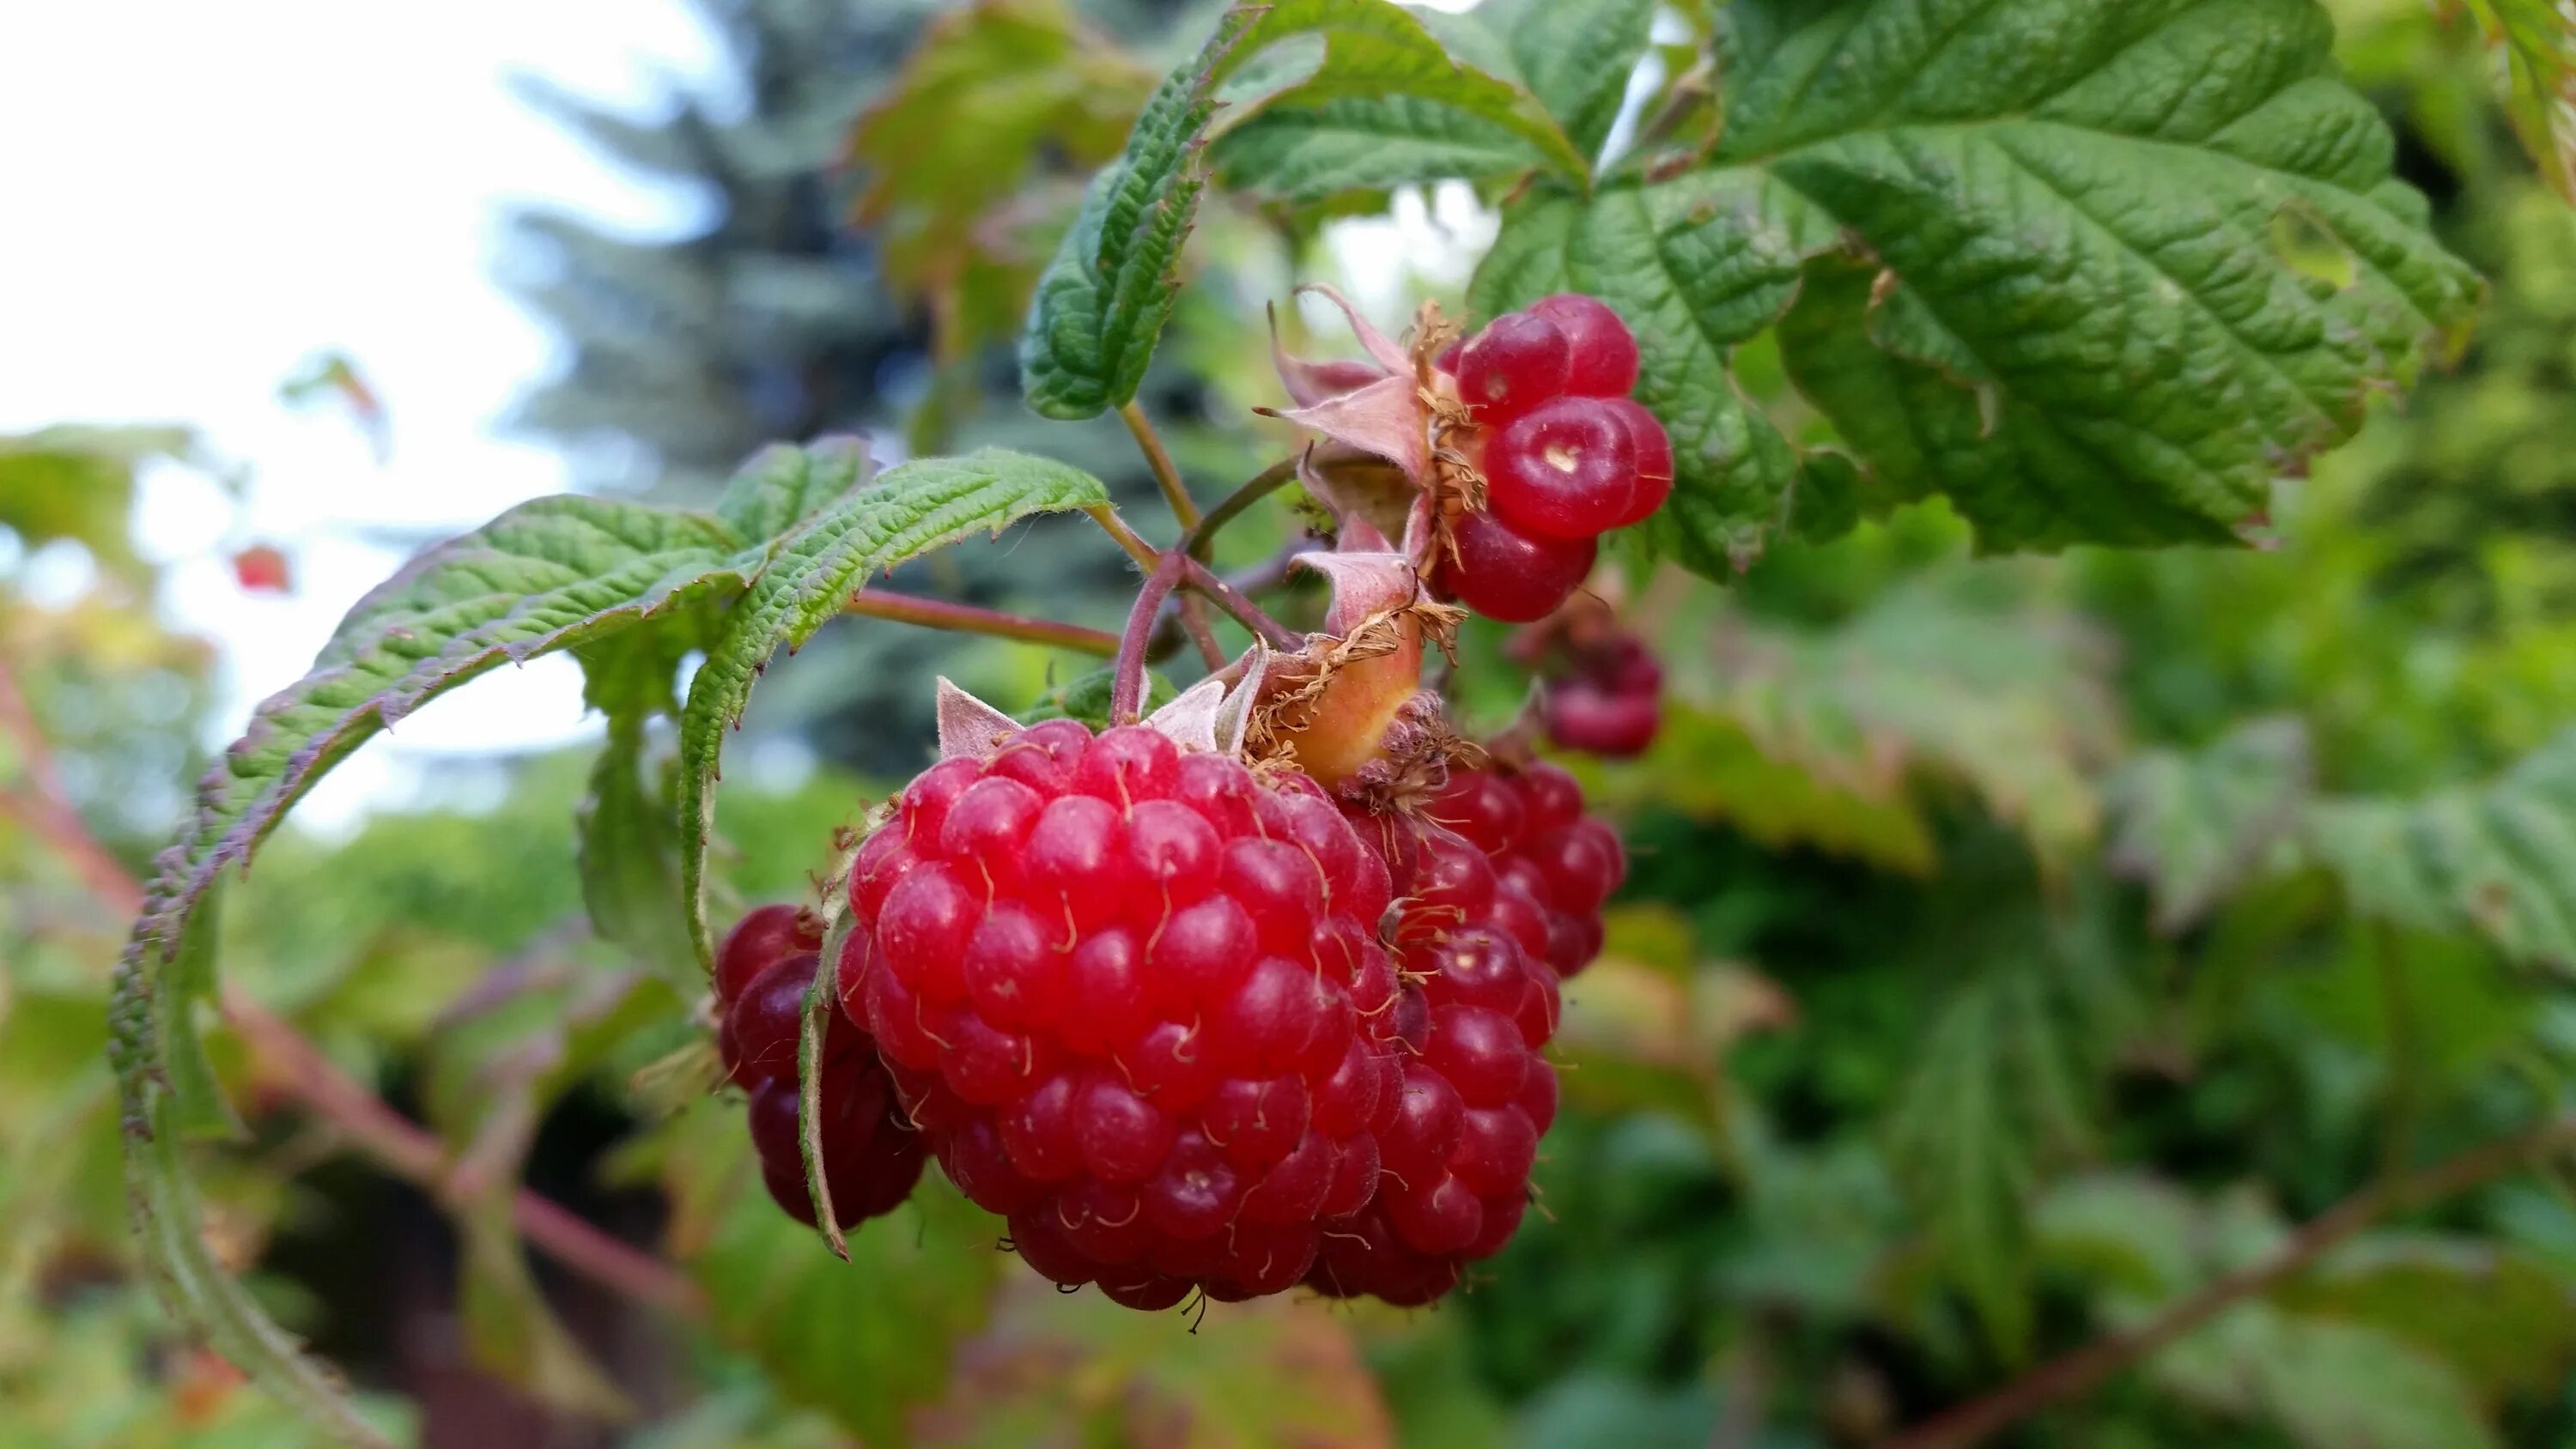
(1568, 456)
(1612, 705)
(872, 1157)
(261, 569)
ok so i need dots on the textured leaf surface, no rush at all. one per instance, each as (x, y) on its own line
(810, 572)
(628, 587)
(1929, 684)
(1576, 58)
(2195, 825)
(2100, 273)
(1102, 303)
(2497, 861)
(864, 1341)
(554, 574)
(991, 95)
(1076, 1368)
(2309, 1359)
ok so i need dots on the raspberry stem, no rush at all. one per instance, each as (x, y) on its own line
(1127, 681)
(1268, 481)
(969, 619)
(1159, 458)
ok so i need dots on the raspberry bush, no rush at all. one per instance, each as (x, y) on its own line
(1260, 986)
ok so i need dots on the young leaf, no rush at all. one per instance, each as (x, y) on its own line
(991, 94)
(1104, 300)
(2057, 284)
(808, 578)
(865, 1341)
(2497, 861)
(1364, 144)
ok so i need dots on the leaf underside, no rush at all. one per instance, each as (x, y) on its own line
(630, 589)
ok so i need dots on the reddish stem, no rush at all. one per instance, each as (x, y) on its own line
(396, 1143)
(993, 623)
(1127, 681)
(2071, 1375)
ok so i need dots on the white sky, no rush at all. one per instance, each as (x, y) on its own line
(200, 198)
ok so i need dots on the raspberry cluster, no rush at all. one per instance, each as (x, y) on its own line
(1137, 1001)
(1567, 457)
(871, 1156)
(1611, 704)
(1502, 898)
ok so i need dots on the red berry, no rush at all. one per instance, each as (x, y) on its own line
(1504, 574)
(1514, 365)
(1584, 716)
(872, 1157)
(1654, 460)
(1472, 1096)
(1138, 1005)
(263, 570)
(1565, 469)
(762, 1028)
(1603, 352)
(759, 941)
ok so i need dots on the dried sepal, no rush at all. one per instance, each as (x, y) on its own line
(969, 729)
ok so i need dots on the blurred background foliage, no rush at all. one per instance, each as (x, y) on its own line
(2013, 946)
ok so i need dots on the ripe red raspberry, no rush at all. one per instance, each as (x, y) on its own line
(1504, 574)
(1529, 822)
(871, 1156)
(1476, 1095)
(1603, 359)
(1654, 448)
(757, 941)
(1564, 469)
(1517, 364)
(1136, 999)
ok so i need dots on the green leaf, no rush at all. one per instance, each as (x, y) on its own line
(1277, 1373)
(2061, 264)
(554, 574)
(1361, 144)
(1104, 300)
(2007, 1081)
(1697, 270)
(2195, 825)
(808, 578)
(1576, 57)
(2496, 861)
(990, 94)
(78, 483)
(2535, 42)
(630, 860)
(864, 1341)
(1935, 683)
(1085, 697)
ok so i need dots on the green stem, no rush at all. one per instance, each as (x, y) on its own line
(1268, 481)
(1159, 458)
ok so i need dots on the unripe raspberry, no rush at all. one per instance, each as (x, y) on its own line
(1136, 1000)
(1602, 352)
